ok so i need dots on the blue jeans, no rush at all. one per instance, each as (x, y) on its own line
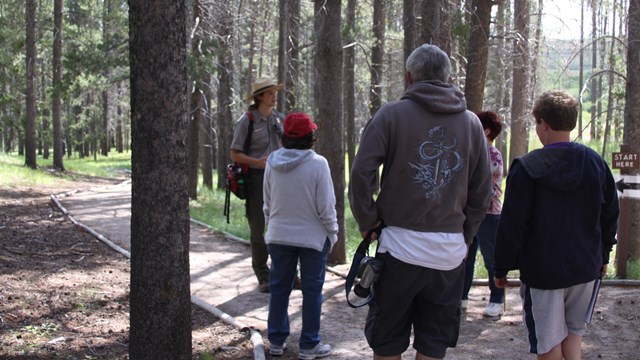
(284, 260)
(486, 240)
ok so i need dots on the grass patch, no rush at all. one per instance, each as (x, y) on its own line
(13, 172)
(209, 209)
(633, 269)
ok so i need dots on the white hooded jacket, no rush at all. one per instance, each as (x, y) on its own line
(299, 200)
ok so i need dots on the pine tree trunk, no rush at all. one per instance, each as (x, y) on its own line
(377, 55)
(160, 314)
(350, 82)
(30, 92)
(631, 137)
(57, 83)
(477, 55)
(520, 116)
(328, 90)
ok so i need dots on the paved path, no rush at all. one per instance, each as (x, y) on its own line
(221, 274)
(222, 281)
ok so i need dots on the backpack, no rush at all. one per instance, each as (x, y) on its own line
(238, 174)
(238, 180)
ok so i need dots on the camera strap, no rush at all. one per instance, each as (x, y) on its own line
(361, 252)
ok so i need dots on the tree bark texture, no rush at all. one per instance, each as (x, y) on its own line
(57, 83)
(477, 54)
(160, 283)
(293, 80)
(105, 134)
(436, 24)
(520, 116)
(410, 30)
(350, 81)
(224, 116)
(193, 134)
(30, 91)
(328, 90)
(505, 72)
(377, 54)
(204, 134)
(193, 145)
(631, 135)
(593, 88)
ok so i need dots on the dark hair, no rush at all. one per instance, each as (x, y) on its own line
(254, 105)
(491, 121)
(558, 109)
(303, 143)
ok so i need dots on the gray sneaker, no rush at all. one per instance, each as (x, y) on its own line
(277, 350)
(321, 350)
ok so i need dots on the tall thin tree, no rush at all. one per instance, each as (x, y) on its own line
(593, 90)
(30, 90)
(225, 68)
(520, 118)
(581, 64)
(328, 96)
(160, 314)
(104, 134)
(377, 54)
(350, 80)
(288, 54)
(478, 54)
(57, 85)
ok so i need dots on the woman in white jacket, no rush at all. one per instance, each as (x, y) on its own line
(299, 209)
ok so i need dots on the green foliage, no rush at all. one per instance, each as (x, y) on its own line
(45, 329)
(209, 207)
(633, 269)
(209, 210)
(14, 173)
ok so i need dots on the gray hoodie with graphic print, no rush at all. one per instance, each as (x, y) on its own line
(435, 164)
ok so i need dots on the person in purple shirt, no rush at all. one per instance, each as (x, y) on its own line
(558, 225)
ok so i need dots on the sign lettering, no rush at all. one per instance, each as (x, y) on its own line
(625, 160)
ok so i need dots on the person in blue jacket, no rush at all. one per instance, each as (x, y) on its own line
(558, 225)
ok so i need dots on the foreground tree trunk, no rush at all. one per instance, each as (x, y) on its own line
(160, 293)
(30, 92)
(631, 137)
(328, 92)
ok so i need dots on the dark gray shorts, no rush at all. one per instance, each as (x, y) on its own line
(409, 296)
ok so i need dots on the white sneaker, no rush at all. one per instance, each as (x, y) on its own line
(321, 350)
(277, 350)
(493, 310)
(464, 304)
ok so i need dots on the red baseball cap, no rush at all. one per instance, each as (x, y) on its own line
(297, 125)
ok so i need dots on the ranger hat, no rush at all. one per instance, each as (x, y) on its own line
(263, 84)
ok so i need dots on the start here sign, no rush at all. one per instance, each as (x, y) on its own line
(625, 160)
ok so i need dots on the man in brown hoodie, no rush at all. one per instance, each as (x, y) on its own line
(434, 191)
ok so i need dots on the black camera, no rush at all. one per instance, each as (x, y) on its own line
(369, 271)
